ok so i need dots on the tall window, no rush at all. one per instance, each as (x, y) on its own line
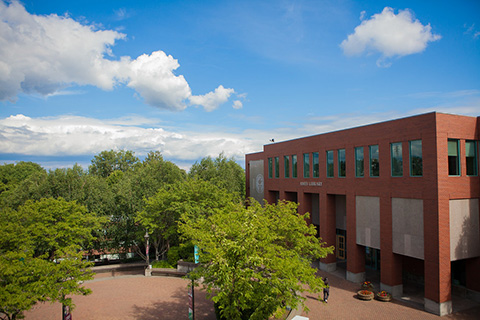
(315, 160)
(277, 167)
(359, 162)
(330, 164)
(270, 167)
(471, 157)
(416, 161)
(306, 165)
(374, 161)
(294, 166)
(286, 166)
(397, 160)
(453, 159)
(341, 163)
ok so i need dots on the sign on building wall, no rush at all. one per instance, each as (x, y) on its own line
(257, 180)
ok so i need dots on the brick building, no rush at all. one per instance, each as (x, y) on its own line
(400, 197)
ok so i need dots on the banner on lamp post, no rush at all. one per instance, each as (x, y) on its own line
(195, 253)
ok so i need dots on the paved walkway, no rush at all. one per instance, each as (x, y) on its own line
(142, 298)
(343, 304)
(131, 297)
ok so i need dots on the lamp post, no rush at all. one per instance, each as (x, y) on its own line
(148, 271)
(146, 248)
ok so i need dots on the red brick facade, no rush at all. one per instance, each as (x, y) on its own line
(435, 187)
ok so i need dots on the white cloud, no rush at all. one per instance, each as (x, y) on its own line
(362, 14)
(389, 34)
(212, 100)
(45, 54)
(237, 104)
(75, 136)
(152, 76)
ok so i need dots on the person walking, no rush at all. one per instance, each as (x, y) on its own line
(326, 290)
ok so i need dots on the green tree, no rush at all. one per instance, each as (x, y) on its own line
(40, 258)
(162, 211)
(22, 181)
(26, 280)
(155, 172)
(12, 174)
(122, 231)
(224, 173)
(106, 162)
(52, 225)
(255, 260)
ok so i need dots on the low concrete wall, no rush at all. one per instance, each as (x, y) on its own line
(186, 267)
(167, 272)
(115, 270)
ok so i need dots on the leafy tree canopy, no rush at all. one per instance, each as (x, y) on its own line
(107, 162)
(255, 259)
(222, 172)
(162, 211)
(12, 174)
(40, 256)
(49, 226)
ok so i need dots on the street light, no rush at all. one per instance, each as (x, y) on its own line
(147, 246)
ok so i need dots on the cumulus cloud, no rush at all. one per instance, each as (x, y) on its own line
(389, 34)
(76, 136)
(69, 135)
(212, 100)
(45, 54)
(237, 104)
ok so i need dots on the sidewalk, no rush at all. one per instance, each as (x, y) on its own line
(343, 304)
(131, 297)
(148, 298)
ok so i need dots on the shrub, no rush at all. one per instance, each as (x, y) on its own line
(162, 264)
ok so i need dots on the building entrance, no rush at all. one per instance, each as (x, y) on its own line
(341, 251)
(372, 258)
(341, 245)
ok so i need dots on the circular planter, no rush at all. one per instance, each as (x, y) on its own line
(365, 295)
(386, 298)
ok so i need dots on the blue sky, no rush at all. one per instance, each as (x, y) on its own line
(196, 78)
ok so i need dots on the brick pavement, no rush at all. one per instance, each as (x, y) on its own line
(142, 298)
(343, 304)
(131, 297)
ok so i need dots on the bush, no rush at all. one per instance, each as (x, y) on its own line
(184, 252)
(173, 255)
(162, 264)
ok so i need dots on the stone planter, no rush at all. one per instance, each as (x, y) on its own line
(385, 297)
(365, 295)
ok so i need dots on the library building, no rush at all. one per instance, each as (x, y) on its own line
(398, 198)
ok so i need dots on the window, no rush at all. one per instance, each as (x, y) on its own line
(315, 160)
(341, 162)
(294, 166)
(374, 161)
(270, 167)
(416, 165)
(453, 163)
(277, 167)
(286, 166)
(471, 157)
(397, 160)
(330, 164)
(306, 165)
(359, 162)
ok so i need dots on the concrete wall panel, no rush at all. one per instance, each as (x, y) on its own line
(464, 229)
(368, 221)
(407, 227)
